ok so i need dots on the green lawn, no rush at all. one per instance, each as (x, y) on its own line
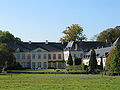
(47, 70)
(58, 82)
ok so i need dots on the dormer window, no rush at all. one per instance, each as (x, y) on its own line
(17, 50)
(98, 55)
(106, 53)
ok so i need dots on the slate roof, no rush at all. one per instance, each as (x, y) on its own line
(57, 46)
(102, 52)
(86, 46)
(26, 47)
(117, 40)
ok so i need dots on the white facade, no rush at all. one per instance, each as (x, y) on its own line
(86, 61)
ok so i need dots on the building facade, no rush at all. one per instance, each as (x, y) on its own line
(54, 55)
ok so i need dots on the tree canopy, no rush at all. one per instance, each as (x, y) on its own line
(93, 61)
(115, 59)
(73, 33)
(6, 37)
(6, 55)
(108, 59)
(110, 34)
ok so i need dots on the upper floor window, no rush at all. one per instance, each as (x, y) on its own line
(45, 56)
(59, 56)
(23, 56)
(49, 56)
(54, 56)
(74, 55)
(33, 56)
(39, 56)
(17, 56)
(81, 55)
(106, 53)
(28, 56)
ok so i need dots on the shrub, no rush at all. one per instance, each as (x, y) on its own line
(109, 73)
(57, 70)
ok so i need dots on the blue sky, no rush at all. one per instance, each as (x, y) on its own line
(40, 20)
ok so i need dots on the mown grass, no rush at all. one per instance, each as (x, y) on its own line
(47, 70)
(58, 82)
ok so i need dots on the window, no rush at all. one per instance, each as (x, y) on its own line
(28, 56)
(74, 55)
(45, 65)
(18, 56)
(106, 53)
(33, 65)
(33, 56)
(59, 56)
(45, 56)
(49, 56)
(39, 64)
(49, 64)
(28, 64)
(23, 64)
(81, 55)
(54, 64)
(23, 56)
(54, 56)
(59, 65)
(98, 54)
(39, 56)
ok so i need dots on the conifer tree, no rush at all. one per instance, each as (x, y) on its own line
(70, 61)
(93, 61)
(107, 63)
(101, 64)
(115, 59)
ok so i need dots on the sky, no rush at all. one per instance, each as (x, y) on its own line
(40, 20)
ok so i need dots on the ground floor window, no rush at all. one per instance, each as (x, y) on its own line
(33, 65)
(39, 64)
(23, 64)
(54, 64)
(45, 65)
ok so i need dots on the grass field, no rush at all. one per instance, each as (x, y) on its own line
(47, 70)
(58, 82)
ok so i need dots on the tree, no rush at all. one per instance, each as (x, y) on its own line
(101, 64)
(70, 61)
(6, 56)
(93, 61)
(6, 37)
(108, 59)
(109, 35)
(73, 33)
(115, 59)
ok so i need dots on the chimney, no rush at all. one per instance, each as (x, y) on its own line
(46, 42)
(29, 42)
(106, 40)
(97, 47)
(76, 46)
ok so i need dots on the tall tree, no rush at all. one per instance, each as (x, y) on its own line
(70, 60)
(6, 56)
(115, 59)
(107, 63)
(6, 37)
(73, 33)
(101, 64)
(110, 34)
(93, 61)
